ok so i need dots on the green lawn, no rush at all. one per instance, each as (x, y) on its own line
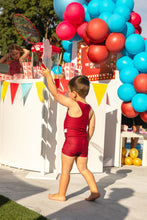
(10, 210)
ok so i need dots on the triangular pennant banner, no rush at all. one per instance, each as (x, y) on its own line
(25, 88)
(0, 89)
(4, 89)
(107, 99)
(13, 89)
(40, 86)
(99, 90)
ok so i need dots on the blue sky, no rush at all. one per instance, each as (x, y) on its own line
(140, 7)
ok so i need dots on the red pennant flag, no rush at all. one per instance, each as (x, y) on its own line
(13, 89)
(62, 85)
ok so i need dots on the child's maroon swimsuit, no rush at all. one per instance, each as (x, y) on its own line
(76, 143)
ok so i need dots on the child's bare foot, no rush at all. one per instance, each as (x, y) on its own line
(93, 196)
(56, 197)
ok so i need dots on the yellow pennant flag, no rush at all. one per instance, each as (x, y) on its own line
(99, 90)
(4, 89)
(40, 86)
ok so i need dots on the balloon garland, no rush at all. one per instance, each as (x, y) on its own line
(109, 26)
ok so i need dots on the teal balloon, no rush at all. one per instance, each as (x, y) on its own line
(140, 62)
(128, 74)
(87, 15)
(145, 45)
(123, 11)
(123, 62)
(106, 5)
(116, 23)
(126, 92)
(67, 45)
(67, 57)
(128, 3)
(128, 30)
(60, 6)
(139, 102)
(57, 70)
(93, 8)
(134, 44)
(105, 16)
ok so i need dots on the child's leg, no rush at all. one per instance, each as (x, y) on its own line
(82, 167)
(134, 141)
(67, 163)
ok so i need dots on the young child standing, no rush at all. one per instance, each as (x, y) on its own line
(15, 57)
(79, 127)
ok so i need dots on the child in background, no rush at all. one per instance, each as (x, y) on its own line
(15, 57)
(79, 117)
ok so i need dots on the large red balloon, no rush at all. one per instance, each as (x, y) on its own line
(128, 110)
(115, 42)
(74, 13)
(140, 83)
(135, 19)
(98, 54)
(97, 30)
(143, 116)
(65, 30)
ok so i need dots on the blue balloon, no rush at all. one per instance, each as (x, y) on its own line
(123, 62)
(116, 23)
(140, 62)
(60, 5)
(57, 70)
(123, 11)
(126, 92)
(128, 74)
(67, 57)
(128, 3)
(139, 102)
(67, 45)
(128, 30)
(93, 8)
(134, 44)
(105, 16)
(107, 5)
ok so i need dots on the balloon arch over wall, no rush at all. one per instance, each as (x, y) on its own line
(109, 26)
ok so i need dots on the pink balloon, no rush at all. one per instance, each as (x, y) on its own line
(65, 30)
(74, 13)
(135, 19)
(81, 29)
(138, 29)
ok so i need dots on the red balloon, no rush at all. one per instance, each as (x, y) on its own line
(135, 19)
(81, 29)
(140, 83)
(97, 30)
(74, 13)
(143, 116)
(138, 29)
(128, 110)
(98, 54)
(65, 30)
(86, 39)
(115, 42)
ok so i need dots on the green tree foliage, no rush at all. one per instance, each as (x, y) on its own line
(40, 12)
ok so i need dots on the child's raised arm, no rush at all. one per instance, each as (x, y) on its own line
(62, 99)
